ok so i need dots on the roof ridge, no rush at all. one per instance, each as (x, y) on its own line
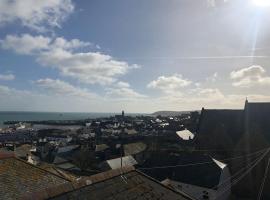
(158, 182)
(108, 174)
(58, 190)
(225, 109)
(70, 186)
(41, 168)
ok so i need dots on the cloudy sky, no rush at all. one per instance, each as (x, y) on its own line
(136, 55)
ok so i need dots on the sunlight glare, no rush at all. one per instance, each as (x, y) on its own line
(261, 3)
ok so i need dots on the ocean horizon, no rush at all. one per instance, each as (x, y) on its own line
(42, 116)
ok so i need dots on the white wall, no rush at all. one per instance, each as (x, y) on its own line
(222, 193)
(224, 190)
(193, 190)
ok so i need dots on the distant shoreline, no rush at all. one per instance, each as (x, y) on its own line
(28, 116)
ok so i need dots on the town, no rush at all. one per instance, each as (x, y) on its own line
(207, 154)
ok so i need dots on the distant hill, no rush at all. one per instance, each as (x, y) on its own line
(171, 113)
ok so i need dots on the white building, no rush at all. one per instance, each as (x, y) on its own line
(125, 161)
(185, 134)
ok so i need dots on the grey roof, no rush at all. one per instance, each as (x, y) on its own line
(257, 118)
(125, 184)
(206, 175)
(101, 147)
(19, 178)
(125, 161)
(219, 128)
(59, 159)
(134, 148)
(229, 128)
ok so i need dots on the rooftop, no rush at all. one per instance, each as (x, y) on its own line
(206, 175)
(124, 161)
(18, 178)
(125, 183)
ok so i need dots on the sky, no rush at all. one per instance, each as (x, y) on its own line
(134, 55)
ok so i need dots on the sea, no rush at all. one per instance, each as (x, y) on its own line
(40, 116)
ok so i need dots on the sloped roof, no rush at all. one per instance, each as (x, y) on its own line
(23, 150)
(122, 184)
(68, 166)
(101, 147)
(126, 161)
(134, 148)
(259, 106)
(211, 119)
(53, 169)
(185, 134)
(226, 128)
(18, 178)
(257, 118)
(67, 148)
(205, 175)
(59, 159)
(219, 128)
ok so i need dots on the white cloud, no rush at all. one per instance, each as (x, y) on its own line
(62, 43)
(122, 90)
(254, 70)
(53, 98)
(89, 67)
(250, 76)
(214, 3)
(35, 14)
(61, 54)
(122, 84)
(25, 44)
(123, 93)
(212, 78)
(169, 84)
(211, 94)
(7, 77)
(36, 45)
(59, 87)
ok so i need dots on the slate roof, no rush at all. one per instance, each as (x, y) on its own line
(57, 171)
(23, 150)
(18, 178)
(212, 120)
(219, 128)
(185, 134)
(126, 161)
(101, 147)
(122, 185)
(257, 118)
(205, 175)
(229, 128)
(134, 148)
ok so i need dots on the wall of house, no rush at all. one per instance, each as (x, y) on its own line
(224, 189)
(197, 192)
(223, 192)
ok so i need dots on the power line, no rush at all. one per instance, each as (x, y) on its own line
(254, 165)
(263, 182)
(199, 163)
(209, 150)
(235, 174)
(245, 173)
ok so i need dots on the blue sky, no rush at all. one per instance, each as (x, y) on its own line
(140, 56)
